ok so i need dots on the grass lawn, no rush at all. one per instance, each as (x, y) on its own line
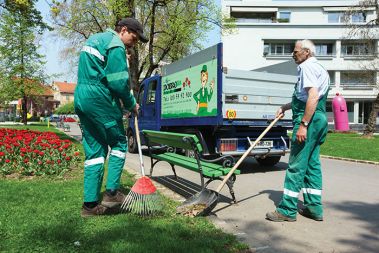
(43, 215)
(351, 145)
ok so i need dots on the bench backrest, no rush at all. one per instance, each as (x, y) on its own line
(177, 140)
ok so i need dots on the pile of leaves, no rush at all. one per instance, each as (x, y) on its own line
(35, 153)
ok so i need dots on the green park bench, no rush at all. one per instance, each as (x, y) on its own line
(169, 143)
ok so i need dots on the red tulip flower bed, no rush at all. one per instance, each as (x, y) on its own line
(35, 153)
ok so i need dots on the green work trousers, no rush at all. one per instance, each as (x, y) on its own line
(102, 127)
(304, 168)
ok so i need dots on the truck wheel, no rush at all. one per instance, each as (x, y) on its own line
(268, 161)
(132, 143)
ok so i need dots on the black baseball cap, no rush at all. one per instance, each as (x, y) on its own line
(135, 26)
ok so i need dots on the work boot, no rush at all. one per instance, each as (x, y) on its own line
(278, 217)
(112, 201)
(97, 210)
(306, 213)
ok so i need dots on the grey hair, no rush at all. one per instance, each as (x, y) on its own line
(308, 44)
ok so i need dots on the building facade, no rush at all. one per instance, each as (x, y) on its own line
(63, 92)
(266, 31)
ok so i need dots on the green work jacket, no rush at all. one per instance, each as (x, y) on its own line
(103, 67)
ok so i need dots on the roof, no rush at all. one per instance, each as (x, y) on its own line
(65, 87)
(47, 91)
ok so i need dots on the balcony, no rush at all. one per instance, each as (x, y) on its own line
(357, 86)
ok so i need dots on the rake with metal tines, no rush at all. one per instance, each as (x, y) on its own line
(143, 198)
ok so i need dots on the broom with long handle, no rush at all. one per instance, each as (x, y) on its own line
(143, 198)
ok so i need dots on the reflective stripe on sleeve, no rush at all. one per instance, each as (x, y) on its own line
(290, 193)
(311, 191)
(118, 153)
(94, 161)
(93, 51)
(117, 76)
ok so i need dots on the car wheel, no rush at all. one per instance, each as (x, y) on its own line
(132, 143)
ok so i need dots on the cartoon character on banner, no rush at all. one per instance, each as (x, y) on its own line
(203, 95)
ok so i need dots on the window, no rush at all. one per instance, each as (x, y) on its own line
(337, 17)
(254, 17)
(358, 17)
(357, 78)
(356, 49)
(324, 49)
(332, 75)
(278, 49)
(140, 95)
(151, 92)
(284, 17)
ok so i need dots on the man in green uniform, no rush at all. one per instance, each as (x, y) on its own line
(103, 84)
(309, 132)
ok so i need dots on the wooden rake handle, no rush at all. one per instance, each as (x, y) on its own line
(247, 152)
(138, 141)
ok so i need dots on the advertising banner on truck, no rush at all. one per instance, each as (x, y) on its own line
(191, 92)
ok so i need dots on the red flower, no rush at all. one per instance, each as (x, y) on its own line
(59, 161)
(2, 154)
(7, 160)
(76, 153)
(68, 158)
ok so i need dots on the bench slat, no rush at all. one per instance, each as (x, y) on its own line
(208, 164)
(172, 139)
(209, 169)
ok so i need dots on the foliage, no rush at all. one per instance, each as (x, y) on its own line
(35, 153)
(20, 64)
(174, 27)
(351, 145)
(367, 32)
(66, 109)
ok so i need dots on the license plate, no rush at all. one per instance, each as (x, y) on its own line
(264, 144)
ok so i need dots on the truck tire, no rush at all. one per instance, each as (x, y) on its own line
(132, 143)
(268, 161)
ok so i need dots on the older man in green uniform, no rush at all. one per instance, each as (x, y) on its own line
(103, 81)
(309, 132)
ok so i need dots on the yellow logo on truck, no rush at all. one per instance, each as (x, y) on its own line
(231, 114)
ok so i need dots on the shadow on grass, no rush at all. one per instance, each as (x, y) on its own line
(125, 233)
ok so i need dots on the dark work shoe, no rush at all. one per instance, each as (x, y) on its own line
(306, 213)
(113, 201)
(278, 217)
(97, 210)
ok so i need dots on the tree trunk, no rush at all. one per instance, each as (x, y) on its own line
(371, 124)
(133, 70)
(24, 110)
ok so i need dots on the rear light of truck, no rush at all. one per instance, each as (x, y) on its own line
(227, 145)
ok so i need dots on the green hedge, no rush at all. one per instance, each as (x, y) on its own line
(65, 109)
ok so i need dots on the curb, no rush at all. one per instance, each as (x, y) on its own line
(349, 159)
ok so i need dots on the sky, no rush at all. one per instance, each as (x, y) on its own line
(51, 47)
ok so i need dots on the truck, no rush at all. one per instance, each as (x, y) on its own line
(226, 109)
